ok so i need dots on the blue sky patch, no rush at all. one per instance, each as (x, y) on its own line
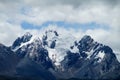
(26, 25)
(85, 26)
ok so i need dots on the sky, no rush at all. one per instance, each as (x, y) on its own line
(98, 18)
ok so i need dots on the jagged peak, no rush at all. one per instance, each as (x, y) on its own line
(86, 41)
(52, 32)
(20, 40)
(86, 38)
(49, 37)
(37, 40)
(27, 34)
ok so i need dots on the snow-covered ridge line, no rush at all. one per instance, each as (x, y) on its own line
(62, 44)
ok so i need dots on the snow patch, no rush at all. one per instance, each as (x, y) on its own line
(100, 55)
(75, 50)
(89, 53)
(33, 38)
(56, 56)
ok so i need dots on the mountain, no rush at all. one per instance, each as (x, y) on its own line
(8, 60)
(35, 61)
(25, 38)
(59, 56)
(94, 60)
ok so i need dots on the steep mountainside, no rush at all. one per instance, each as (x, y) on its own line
(8, 60)
(55, 56)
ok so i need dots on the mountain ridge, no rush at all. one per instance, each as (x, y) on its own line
(63, 57)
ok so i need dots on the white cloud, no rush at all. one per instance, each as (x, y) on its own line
(82, 11)
(8, 32)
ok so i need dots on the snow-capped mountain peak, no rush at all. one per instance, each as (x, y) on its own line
(20, 40)
(88, 48)
(63, 55)
(27, 34)
(36, 40)
(60, 47)
(49, 38)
